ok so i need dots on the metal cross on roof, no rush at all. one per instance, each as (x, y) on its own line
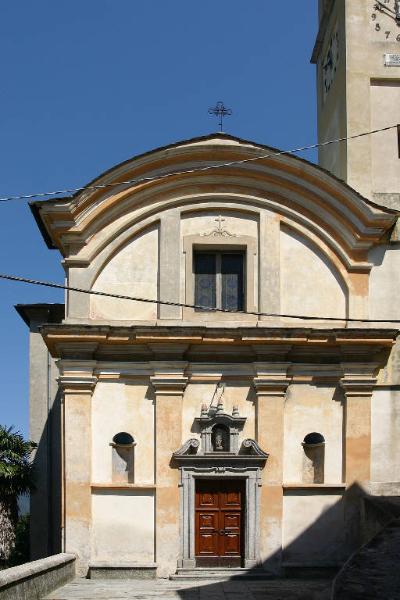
(220, 111)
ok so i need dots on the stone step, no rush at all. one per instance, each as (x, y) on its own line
(220, 574)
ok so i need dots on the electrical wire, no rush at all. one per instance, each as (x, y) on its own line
(59, 286)
(194, 170)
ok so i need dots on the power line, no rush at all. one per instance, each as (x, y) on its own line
(59, 286)
(196, 169)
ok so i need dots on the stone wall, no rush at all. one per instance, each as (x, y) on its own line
(36, 579)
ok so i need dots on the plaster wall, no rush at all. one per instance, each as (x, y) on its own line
(385, 151)
(44, 430)
(121, 406)
(365, 95)
(313, 527)
(384, 282)
(132, 271)
(307, 409)
(385, 440)
(123, 526)
(332, 105)
(308, 284)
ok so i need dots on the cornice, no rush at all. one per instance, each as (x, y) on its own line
(358, 388)
(168, 386)
(271, 387)
(359, 379)
(135, 343)
(336, 212)
(78, 385)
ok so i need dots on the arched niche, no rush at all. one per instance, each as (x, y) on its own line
(131, 270)
(306, 268)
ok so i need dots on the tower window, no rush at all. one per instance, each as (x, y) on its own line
(219, 280)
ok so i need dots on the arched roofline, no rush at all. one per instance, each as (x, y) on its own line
(226, 136)
(201, 201)
(63, 220)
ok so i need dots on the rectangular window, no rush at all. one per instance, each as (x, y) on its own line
(219, 280)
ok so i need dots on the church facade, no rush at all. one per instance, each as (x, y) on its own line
(228, 391)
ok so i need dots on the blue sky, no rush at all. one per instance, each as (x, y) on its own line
(88, 84)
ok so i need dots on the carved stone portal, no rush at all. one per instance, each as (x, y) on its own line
(217, 455)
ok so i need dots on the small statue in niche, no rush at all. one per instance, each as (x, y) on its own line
(220, 439)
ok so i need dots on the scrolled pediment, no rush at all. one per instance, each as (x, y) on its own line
(189, 448)
(218, 444)
(251, 448)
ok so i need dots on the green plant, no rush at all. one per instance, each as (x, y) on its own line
(20, 552)
(16, 478)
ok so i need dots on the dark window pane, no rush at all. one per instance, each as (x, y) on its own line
(205, 288)
(232, 281)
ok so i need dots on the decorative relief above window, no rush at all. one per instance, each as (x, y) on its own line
(219, 231)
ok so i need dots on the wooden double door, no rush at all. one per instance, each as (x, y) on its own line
(219, 523)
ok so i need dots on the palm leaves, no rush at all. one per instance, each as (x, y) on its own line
(16, 470)
(16, 478)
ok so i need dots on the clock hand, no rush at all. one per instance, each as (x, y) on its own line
(393, 14)
(379, 6)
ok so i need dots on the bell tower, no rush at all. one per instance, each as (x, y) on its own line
(357, 54)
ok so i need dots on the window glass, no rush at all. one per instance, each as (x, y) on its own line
(205, 279)
(232, 281)
(219, 280)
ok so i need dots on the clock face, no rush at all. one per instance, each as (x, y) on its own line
(330, 62)
(385, 20)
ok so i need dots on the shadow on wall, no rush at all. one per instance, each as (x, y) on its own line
(45, 501)
(361, 519)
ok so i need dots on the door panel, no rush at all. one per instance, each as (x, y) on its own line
(232, 521)
(232, 545)
(219, 509)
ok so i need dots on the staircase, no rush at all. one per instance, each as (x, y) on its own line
(220, 574)
(373, 570)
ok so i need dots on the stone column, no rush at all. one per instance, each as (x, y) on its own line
(169, 385)
(77, 462)
(358, 384)
(271, 384)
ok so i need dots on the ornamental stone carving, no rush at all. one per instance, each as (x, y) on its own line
(219, 441)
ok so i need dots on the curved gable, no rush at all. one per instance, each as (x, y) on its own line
(295, 188)
(98, 228)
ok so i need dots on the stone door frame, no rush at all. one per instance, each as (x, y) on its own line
(252, 477)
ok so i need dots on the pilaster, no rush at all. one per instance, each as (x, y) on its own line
(358, 385)
(169, 384)
(77, 391)
(170, 261)
(269, 288)
(271, 384)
